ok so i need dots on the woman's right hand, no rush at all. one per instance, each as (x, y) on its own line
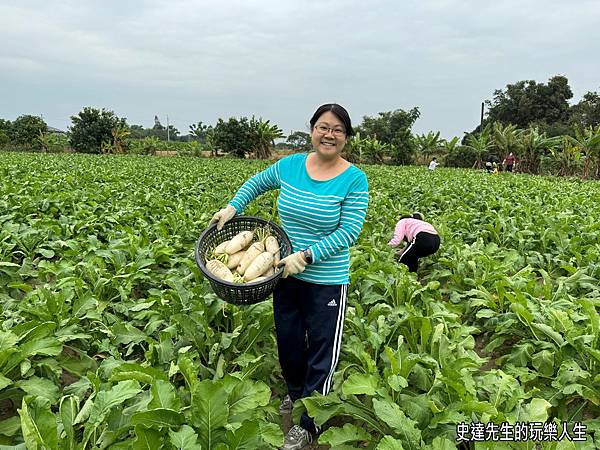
(223, 216)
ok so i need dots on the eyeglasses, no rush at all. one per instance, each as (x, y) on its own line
(324, 129)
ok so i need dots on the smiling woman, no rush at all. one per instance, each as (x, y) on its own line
(322, 204)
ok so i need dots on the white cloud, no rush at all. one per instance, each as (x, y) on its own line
(204, 60)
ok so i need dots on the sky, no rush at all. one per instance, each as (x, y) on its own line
(203, 60)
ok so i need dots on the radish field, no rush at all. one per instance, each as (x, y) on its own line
(110, 338)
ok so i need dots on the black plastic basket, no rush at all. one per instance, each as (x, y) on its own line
(240, 294)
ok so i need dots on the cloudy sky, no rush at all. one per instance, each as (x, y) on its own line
(201, 60)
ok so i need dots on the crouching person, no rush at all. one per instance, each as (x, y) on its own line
(421, 237)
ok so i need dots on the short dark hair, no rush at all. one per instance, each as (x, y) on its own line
(416, 215)
(340, 113)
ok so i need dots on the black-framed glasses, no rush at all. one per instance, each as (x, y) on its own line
(324, 129)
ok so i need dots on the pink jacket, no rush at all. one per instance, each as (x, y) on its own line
(409, 228)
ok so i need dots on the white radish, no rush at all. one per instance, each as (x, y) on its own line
(220, 249)
(259, 265)
(255, 249)
(239, 242)
(271, 244)
(234, 260)
(256, 280)
(220, 270)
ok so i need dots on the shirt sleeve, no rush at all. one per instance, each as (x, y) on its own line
(352, 217)
(260, 183)
(398, 234)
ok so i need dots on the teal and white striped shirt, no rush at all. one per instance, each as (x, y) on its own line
(324, 216)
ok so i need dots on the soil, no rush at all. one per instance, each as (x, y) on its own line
(7, 409)
(481, 341)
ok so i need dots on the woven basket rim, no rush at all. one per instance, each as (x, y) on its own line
(240, 286)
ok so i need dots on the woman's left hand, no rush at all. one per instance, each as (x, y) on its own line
(294, 264)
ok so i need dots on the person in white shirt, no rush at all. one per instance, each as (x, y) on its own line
(433, 164)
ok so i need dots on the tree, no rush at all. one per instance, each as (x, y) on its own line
(393, 128)
(162, 132)
(588, 142)
(480, 145)
(461, 156)
(533, 146)
(4, 139)
(449, 146)
(137, 132)
(299, 141)
(527, 102)
(233, 136)
(26, 129)
(366, 150)
(263, 137)
(566, 157)
(5, 132)
(199, 131)
(586, 113)
(92, 128)
(427, 144)
(506, 139)
(119, 134)
(5, 126)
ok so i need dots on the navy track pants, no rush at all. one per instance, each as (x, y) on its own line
(309, 321)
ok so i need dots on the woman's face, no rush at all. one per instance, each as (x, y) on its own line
(328, 136)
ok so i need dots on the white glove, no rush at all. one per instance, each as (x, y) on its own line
(294, 263)
(223, 216)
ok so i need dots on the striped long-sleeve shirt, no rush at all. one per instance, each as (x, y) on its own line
(323, 216)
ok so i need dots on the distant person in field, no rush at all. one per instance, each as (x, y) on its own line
(421, 237)
(491, 167)
(509, 162)
(433, 164)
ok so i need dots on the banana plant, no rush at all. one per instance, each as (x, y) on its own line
(506, 138)
(264, 136)
(588, 141)
(534, 145)
(428, 144)
(481, 144)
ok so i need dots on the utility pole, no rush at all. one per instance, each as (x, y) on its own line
(481, 121)
(169, 137)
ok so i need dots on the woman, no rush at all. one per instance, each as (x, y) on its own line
(422, 237)
(322, 205)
